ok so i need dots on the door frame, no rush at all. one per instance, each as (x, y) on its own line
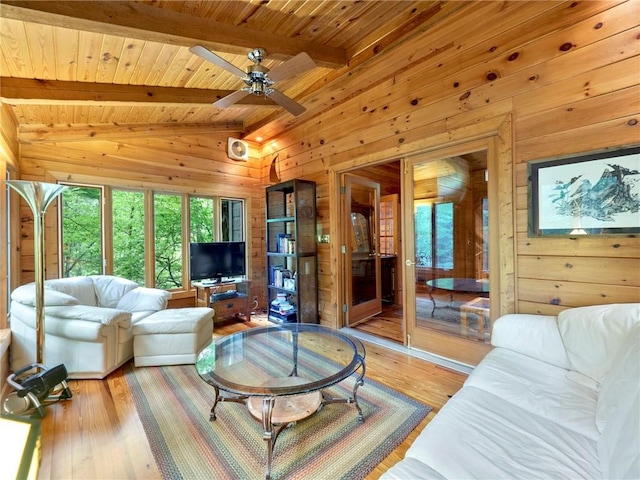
(497, 134)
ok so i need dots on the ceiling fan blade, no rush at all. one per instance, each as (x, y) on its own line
(298, 64)
(231, 99)
(280, 98)
(216, 60)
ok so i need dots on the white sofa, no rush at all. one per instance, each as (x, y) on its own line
(557, 397)
(88, 322)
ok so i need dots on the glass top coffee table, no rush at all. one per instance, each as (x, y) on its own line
(279, 373)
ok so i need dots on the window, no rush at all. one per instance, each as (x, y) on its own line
(388, 208)
(128, 235)
(434, 235)
(485, 235)
(201, 219)
(119, 242)
(443, 221)
(81, 231)
(232, 220)
(168, 240)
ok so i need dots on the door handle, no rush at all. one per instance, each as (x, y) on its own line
(408, 263)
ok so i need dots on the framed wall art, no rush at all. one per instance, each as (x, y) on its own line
(593, 194)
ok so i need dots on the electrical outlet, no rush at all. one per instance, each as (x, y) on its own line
(255, 299)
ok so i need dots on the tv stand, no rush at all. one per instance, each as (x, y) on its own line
(228, 308)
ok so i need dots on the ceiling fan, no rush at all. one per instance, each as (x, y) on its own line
(260, 79)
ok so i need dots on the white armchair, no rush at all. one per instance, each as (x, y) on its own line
(88, 322)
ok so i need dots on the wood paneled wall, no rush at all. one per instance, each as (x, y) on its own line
(566, 73)
(9, 151)
(180, 164)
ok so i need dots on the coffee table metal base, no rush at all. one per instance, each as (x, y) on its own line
(279, 412)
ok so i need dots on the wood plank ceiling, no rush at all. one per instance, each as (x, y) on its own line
(68, 64)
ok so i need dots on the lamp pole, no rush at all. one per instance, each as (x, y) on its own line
(38, 196)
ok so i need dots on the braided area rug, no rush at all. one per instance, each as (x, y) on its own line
(174, 403)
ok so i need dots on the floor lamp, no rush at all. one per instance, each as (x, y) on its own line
(33, 390)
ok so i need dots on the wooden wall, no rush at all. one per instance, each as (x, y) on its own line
(9, 152)
(567, 76)
(195, 163)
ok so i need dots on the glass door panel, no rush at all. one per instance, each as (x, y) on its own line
(364, 297)
(450, 299)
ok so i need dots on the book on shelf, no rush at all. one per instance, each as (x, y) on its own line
(286, 244)
(280, 276)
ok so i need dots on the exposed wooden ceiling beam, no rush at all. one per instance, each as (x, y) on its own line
(144, 22)
(26, 91)
(75, 133)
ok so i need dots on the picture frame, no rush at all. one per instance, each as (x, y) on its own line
(591, 194)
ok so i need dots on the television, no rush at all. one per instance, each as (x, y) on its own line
(215, 260)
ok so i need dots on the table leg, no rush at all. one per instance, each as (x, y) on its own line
(271, 430)
(353, 398)
(269, 435)
(433, 300)
(212, 413)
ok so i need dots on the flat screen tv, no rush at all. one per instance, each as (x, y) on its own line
(215, 260)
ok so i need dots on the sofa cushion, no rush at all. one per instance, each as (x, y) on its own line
(141, 299)
(539, 388)
(478, 435)
(26, 295)
(593, 335)
(110, 289)
(536, 336)
(619, 414)
(79, 287)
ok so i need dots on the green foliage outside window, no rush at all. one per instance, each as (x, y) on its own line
(201, 219)
(422, 219)
(168, 240)
(434, 223)
(128, 235)
(81, 231)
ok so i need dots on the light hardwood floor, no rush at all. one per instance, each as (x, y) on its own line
(98, 435)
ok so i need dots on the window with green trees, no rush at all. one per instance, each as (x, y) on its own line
(81, 209)
(168, 240)
(128, 235)
(434, 234)
(85, 239)
(201, 219)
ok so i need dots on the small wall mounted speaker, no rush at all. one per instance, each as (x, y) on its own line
(238, 149)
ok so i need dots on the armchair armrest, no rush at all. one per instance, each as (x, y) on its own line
(536, 336)
(105, 316)
(142, 299)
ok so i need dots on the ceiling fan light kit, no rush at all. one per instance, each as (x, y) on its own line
(258, 78)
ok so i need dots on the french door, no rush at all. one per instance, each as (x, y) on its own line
(361, 248)
(446, 250)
